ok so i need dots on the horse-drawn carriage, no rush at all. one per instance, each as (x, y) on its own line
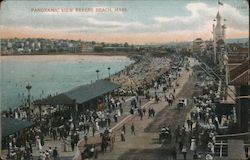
(102, 142)
(181, 104)
(165, 135)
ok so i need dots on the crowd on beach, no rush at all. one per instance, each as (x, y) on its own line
(69, 128)
(62, 125)
(141, 74)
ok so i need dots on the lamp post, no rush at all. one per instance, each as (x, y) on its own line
(28, 87)
(109, 71)
(97, 74)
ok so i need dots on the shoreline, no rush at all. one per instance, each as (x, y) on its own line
(80, 53)
(132, 80)
(133, 58)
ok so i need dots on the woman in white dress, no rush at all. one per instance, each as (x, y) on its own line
(97, 126)
(38, 143)
(65, 144)
(193, 146)
(118, 113)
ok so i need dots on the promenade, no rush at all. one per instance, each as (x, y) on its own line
(143, 144)
(120, 148)
(147, 102)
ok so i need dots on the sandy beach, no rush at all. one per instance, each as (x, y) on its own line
(141, 73)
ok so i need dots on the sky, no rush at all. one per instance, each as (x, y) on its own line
(119, 21)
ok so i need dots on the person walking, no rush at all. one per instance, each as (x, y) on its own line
(122, 136)
(132, 129)
(189, 123)
(93, 131)
(109, 122)
(85, 138)
(153, 112)
(174, 153)
(149, 112)
(141, 114)
(38, 143)
(72, 144)
(184, 152)
(177, 134)
(144, 111)
(54, 134)
(50, 151)
(124, 129)
(55, 154)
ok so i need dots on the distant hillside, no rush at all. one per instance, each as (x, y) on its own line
(237, 40)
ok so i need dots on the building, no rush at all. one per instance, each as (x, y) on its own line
(197, 45)
(240, 77)
(87, 47)
(219, 40)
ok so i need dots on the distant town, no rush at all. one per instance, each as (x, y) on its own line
(18, 46)
(50, 46)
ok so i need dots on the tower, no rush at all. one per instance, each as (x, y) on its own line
(219, 31)
(218, 37)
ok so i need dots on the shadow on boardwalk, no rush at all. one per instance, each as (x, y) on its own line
(148, 154)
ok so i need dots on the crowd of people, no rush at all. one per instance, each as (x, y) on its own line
(63, 126)
(198, 133)
(142, 74)
(69, 128)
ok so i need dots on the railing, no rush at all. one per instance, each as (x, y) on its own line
(221, 149)
(233, 136)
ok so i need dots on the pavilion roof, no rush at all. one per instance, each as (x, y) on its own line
(81, 93)
(10, 126)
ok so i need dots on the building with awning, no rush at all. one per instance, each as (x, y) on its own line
(11, 126)
(80, 94)
(239, 77)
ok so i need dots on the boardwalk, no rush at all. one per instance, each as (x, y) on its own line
(236, 149)
(144, 145)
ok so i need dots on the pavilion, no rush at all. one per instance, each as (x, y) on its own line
(81, 95)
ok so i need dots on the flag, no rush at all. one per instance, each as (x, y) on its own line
(219, 3)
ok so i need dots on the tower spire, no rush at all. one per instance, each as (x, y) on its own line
(219, 4)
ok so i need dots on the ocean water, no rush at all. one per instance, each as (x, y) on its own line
(51, 74)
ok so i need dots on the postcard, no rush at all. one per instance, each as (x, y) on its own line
(124, 79)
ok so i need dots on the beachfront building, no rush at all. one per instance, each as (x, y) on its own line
(239, 77)
(11, 127)
(82, 98)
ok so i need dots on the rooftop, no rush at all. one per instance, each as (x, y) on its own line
(81, 94)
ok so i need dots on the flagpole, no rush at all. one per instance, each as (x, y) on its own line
(218, 5)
